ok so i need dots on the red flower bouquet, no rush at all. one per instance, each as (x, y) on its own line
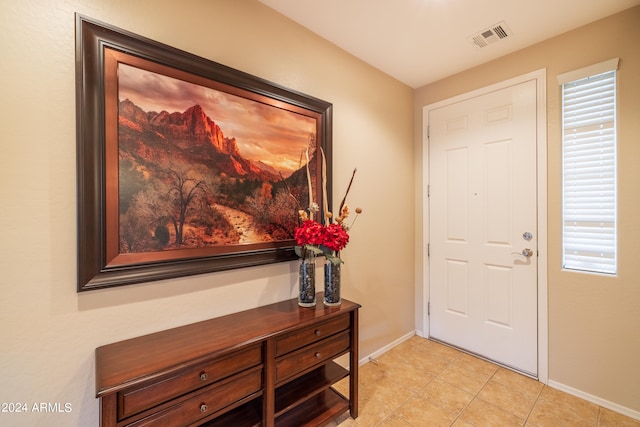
(309, 236)
(335, 237)
(309, 233)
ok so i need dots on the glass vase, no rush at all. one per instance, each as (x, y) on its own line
(307, 282)
(332, 284)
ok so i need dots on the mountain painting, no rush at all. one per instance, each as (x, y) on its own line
(200, 167)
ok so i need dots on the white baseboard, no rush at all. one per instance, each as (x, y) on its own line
(386, 348)
(595, 399)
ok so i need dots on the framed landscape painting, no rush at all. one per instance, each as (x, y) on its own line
(186, 166)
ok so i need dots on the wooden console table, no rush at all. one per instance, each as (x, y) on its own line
(268, 366)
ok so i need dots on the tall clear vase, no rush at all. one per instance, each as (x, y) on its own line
(332, 284)
(307, 282)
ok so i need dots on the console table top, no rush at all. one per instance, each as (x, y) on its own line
(125, 363)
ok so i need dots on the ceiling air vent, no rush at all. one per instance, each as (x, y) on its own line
(490, 35)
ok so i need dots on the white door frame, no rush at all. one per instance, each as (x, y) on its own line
(541, 142)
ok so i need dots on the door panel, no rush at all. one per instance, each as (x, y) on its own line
(482, 163)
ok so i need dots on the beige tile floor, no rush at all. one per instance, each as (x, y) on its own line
(423, 383)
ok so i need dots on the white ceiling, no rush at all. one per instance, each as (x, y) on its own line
(421, 41)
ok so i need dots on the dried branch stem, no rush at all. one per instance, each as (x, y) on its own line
(344, 199)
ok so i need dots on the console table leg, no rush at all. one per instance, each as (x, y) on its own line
(353, 367)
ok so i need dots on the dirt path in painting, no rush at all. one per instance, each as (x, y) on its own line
(243, 224)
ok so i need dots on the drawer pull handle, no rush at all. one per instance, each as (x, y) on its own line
(203, 376)
(318, 355)
(203, 408)
(318, 332)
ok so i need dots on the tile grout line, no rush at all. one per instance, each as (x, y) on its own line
(437, 375)
(451, 363)
(526, 420)
(476, 395)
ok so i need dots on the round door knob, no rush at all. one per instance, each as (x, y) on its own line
(204, 376)
(203, 408)
(318, 332)
(318, 355)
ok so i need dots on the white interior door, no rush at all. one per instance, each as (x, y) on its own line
(482, 220)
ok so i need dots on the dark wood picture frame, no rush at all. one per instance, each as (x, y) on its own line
(100, 263)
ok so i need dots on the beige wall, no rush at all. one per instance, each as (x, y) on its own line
(48, 332)
(594, 340)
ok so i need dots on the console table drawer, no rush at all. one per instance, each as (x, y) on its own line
(145, 396)
(310, 356)
(311, 334)
(209, 401)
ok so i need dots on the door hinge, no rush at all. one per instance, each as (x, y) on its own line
(428, 190)
(428, 131)
(428, 249)
(429, 308)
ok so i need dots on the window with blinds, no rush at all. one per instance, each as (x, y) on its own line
(589, 169)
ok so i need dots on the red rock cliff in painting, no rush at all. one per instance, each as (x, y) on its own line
(190, 137)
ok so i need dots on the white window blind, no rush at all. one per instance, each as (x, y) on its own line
(589, 172)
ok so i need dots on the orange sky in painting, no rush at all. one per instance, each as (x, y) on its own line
(263, 133)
